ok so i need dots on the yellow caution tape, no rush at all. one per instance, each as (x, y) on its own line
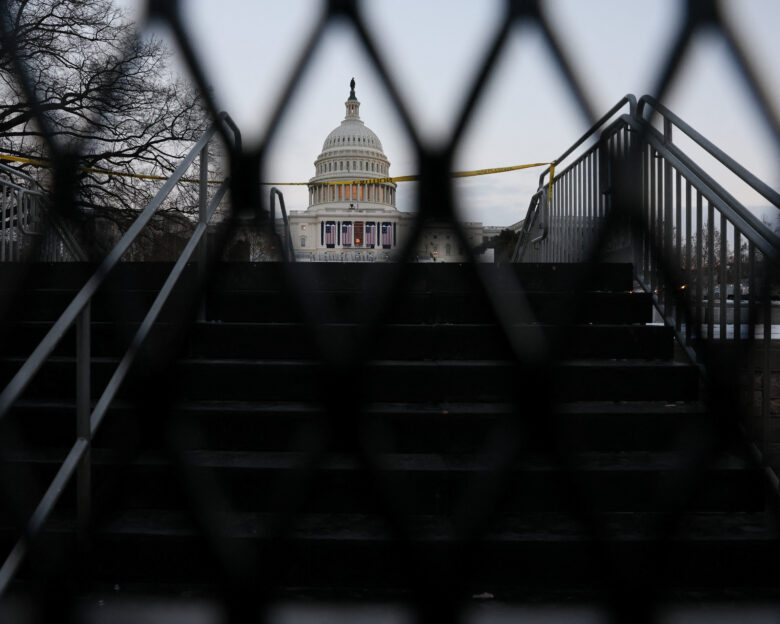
(140, 176)
(410, 178)
(549, 185)
(406, 178)
(28, 161)
(479, 172)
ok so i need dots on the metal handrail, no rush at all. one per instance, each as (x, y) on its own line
(629, 99)
(55, 221)
(21, 174)
(528, 223)
(288, 251)
(756, 231)
(79, 312)
(19, 213)
(22, 189)
(762, 235)
(757, 184)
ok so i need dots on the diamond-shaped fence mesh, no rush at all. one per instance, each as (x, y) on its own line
(630, 197)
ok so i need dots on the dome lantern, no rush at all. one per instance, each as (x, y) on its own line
(352, 104)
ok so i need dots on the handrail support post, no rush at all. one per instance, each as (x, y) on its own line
(83, 409)
(203, 209)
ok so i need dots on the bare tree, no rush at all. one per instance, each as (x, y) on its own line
(106, 95)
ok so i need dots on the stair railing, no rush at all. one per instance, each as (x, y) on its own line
(705, 258)
(532, 224)
(702, 255)
(25, 216)
(88, 420)
(288, 253)
(20, 218)
(578, 202)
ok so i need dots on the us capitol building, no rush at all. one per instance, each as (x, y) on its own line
(359, 222)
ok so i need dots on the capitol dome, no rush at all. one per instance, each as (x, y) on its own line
(352, 152)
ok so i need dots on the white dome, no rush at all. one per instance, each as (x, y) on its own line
(351, 142)
(352, 133)
(352, 169)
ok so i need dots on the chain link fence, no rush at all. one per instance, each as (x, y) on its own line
(247, 584)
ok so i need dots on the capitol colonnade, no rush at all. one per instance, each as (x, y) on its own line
(333, 192)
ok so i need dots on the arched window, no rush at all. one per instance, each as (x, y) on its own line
(303, 241)
(448, 249)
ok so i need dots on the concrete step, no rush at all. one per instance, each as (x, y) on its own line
(412, 341)
(521, 552)
(451, 380)
(356, 277)
(349, 307)
(431, 483)
(389, 380)
(405, 427)
(431, 307)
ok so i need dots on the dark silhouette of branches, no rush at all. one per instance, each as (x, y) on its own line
(106, 95)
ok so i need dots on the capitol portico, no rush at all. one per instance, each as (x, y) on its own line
(352, 214)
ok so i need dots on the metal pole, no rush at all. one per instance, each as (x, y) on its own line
(203, 201)
(668, 222)
(766, 386)
(83, 475)
(2, 223)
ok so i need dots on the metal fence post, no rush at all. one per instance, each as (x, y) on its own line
(2, 223)
(767, 371)
(83, 430)
(668, 219)
(203, 200)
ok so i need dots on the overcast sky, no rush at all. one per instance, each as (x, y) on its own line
(434, 48)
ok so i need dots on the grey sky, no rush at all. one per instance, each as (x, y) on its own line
(525, 115)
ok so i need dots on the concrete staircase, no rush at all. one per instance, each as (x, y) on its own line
(438, 460)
